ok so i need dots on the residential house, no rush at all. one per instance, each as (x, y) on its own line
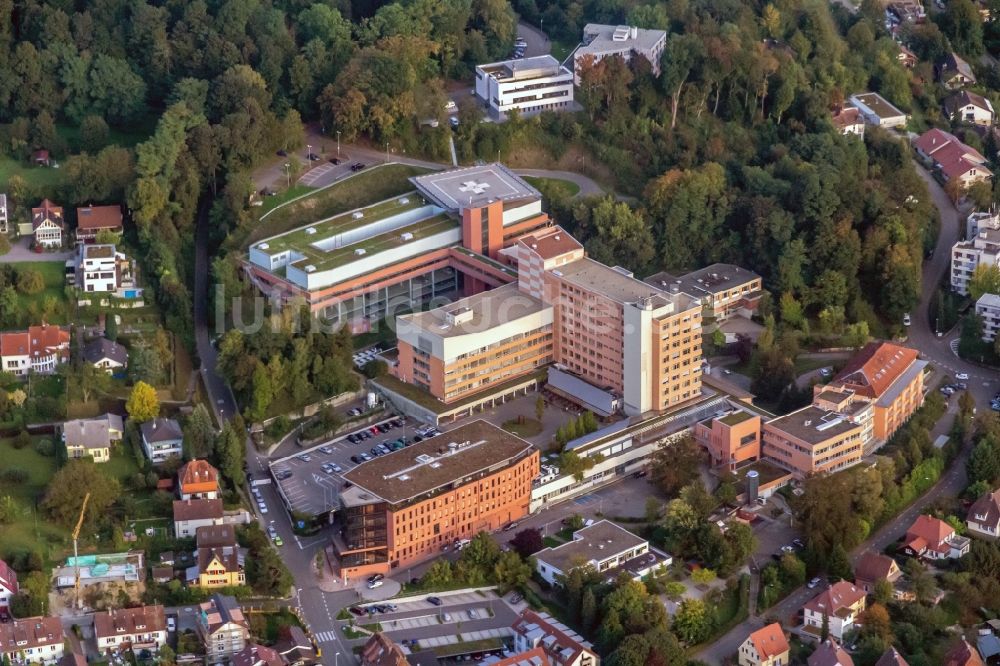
(198, 480)
(106, 355)
(143, 628)
(40, 349)
(380, 650)
(988, 308)
(103, 269)
(40, 157)
(222, 627)
(934, 539)
(878, 111)
(189, 515)
(981, 220)
(605, 546)
(891, 657)
(984, 515)
(8, 588)
(32, 640)
(953, 72)
(873, 567)
(4, 220)
(48, 224)
(969, 107)
(848, 120)
(257, 655)
(559, 642)
(92, 438)
(297, 649)
(162, 439)
(962, 654)
(765, 647)
(983, 249)
(91, 220)
(830, 653)
(906, 57)
(603, 41)
(952, 158)
(219, 561)
(841, 604)
(905, 11)
(162, 574)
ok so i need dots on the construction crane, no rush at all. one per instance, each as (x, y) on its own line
(76, 552)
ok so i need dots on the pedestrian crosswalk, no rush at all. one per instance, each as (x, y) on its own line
(326, 637)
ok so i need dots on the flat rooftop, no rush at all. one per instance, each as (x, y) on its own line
(525, 68)
(599, 38)
(879, 105)
(713, 279)
(475, 314)
(438, 462)
(735, 418)
(98, 251)
(616, 285)
(601, 541)
(813, 425)
(474, 186)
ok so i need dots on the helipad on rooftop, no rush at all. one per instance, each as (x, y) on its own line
(474, 186)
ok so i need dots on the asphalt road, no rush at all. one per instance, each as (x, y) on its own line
(982, 385)
(537, 41)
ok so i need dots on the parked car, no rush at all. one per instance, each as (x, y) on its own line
(906, 319)
(434, 601)
(450, 105)
(337, 468)
(171, 624)
(473, 615)
(376, 576)
(375, 583)
(445, 617)
(334, 160)
(357, 611)
(357, 166)
(813, 583)
(326, 449)
(964, 376)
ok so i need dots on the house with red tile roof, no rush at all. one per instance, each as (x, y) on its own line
(984, 515)
(93, 219)
(848, 120)
(39, 349)
(933, 539)
(48, 225)
(8, 588)
(962, 654)
(873, 567)
(198, 480)
(559, 642)
(841, 604)
(32, 640)
(830, 653)
(892, 378)
(380, 650)
(765, 647)
(952, 158)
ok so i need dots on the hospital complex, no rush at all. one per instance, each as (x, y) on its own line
(494, 300)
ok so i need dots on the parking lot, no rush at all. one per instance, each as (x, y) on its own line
(310, 479)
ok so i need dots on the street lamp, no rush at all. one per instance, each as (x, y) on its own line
(338, 143)
(386, 152)
(336, 658)
(288, 175)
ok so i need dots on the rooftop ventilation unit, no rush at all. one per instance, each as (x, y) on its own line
(310, 269)
(404, 201)
(359, 252)
(310, 231)
(263, 246)
(435, 465)
(406, 236)
(358, 215)
(423, 458)
(403, 477)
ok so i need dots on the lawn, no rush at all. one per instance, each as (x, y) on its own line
(526, 428)
(554, 188)
(273, 202)
(43, 180)
(53, 272)
(30, 531)
(370, 186)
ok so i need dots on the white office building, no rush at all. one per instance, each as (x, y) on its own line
(530, 85)
(601, 41)
(988, 308)
(984, 248)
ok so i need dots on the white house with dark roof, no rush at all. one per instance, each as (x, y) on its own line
(48, 224)
(969, 107)
(106, 355)
(223, 628)
(984, 515)
(560, 643)
(162, 439)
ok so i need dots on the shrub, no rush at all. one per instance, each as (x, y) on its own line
(22, 440)
(14, 475)
(45, 447)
